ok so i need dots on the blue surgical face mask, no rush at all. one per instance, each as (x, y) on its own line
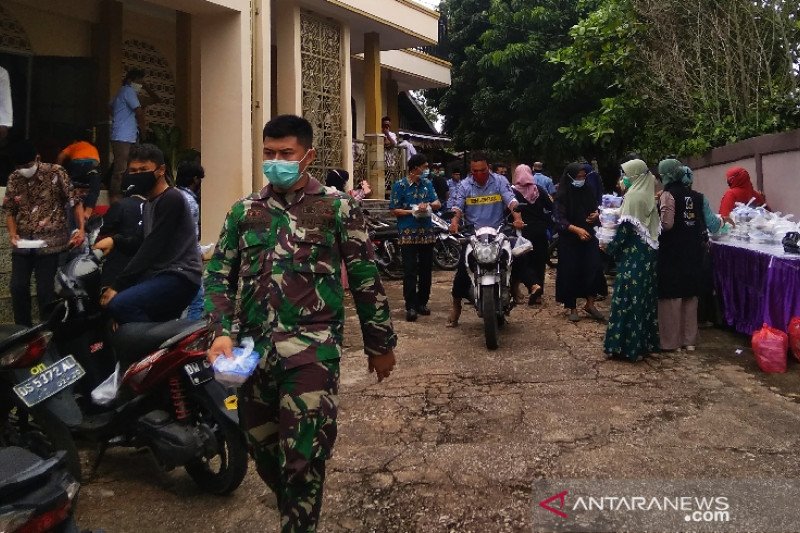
(578, 183)
(282, 174)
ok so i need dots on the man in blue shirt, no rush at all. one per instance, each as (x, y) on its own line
(452, 184)
(411, 194)
(545, 182)
(127, 121)
(481, 199)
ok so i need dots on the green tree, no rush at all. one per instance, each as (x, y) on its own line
(675, 76)
(501, 97)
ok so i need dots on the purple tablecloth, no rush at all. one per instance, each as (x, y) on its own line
(756, 287)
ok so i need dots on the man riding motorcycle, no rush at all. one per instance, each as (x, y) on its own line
(481, 198)
(164, 274)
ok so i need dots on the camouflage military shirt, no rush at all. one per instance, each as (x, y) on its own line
(281, 256)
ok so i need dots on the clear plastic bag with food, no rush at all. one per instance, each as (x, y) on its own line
(235, 370)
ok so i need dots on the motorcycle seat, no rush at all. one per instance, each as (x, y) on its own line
(135, 340)
(11, 334)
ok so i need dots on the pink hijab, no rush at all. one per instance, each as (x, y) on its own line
(524, 183)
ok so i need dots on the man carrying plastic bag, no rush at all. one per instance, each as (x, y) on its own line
(285, 246)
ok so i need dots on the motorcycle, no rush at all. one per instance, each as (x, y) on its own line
(37, 424)
(161, 395)
(387, 249)
(489, 256)
(37, 494)
(447, 248)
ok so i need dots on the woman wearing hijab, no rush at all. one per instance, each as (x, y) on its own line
(685, 218)
(575, 214)
(740, 190)
(536, 209)
(633, 327)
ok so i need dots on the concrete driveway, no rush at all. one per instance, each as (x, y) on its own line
(453, 440)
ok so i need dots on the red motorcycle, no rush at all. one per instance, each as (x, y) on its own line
(160, 396)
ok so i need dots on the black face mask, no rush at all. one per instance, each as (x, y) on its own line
(140, 183)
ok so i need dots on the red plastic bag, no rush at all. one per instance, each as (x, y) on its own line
(794, 337)
(770, 346)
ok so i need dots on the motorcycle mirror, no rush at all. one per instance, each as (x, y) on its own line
(95, 222)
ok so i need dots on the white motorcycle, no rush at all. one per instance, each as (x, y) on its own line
(489, 256)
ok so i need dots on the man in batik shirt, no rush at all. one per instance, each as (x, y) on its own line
(37, 197)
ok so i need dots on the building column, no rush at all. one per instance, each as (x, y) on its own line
(225, 120)
(183, 77)
(262, 84)
(347, 105)
(107, 51)
(376, 173)
(286, 18)
(392, 106)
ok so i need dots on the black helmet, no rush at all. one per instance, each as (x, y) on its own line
(791, 243)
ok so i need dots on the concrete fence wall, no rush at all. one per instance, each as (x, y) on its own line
(772, 160)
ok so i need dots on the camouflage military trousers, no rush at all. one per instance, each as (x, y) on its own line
(290, 420)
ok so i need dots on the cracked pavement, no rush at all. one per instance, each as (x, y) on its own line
(454, 438)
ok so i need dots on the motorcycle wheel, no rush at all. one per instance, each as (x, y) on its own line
(43, 433)
(489, 311)
(223, 473)
(391, 269)
(446, 254)
(552, 254)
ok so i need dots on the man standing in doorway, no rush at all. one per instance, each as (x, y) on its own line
(34, 204)
(127, 122)
(284, 246)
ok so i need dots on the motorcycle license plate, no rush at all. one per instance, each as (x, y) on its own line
(50, 380)
(199, 372)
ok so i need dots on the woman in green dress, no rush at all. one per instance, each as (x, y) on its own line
(633, 326)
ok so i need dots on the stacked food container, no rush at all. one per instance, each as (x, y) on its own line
(609, 218)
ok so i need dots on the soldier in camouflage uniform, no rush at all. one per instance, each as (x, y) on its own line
(280, 254)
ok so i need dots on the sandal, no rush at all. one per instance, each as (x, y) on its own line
(596, 314)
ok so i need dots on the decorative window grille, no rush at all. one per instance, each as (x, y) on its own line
(12, 35)
(158, 75)
(321, 64)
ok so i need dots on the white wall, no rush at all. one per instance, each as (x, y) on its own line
(711, 180)
(782, 182)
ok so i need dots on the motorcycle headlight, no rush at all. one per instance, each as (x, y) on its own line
(486, 253)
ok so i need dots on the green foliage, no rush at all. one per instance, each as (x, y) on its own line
(559, 79)
(169, 141)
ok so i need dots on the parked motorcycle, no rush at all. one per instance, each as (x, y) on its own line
(489, 258)
(387, 248)
(37, 421)
(447, 248)
(36, 494)
(161, 397)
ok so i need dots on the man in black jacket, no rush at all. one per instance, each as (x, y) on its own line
(164, 274)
